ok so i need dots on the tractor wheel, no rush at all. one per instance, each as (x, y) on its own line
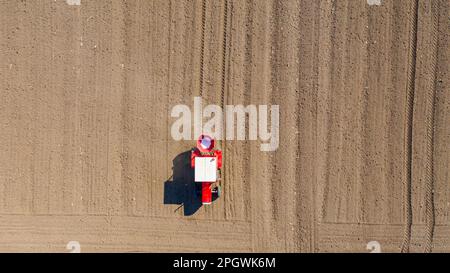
(218, 191)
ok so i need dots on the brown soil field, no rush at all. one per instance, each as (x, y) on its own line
(87, 154)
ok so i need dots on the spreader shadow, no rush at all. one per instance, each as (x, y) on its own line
(180, 189)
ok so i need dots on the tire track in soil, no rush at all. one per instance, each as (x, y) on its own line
(322, 118)
(115, 203)
(169, 51)
(431, 71)
(223, 90)
(315, 89)
(225, 53)
(125, 116)
(248, 62)
(202, 48)
(441, 143)
(274, 25)
(306, 116)
(410, 90)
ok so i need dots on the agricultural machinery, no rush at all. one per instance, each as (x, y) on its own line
(207, 163)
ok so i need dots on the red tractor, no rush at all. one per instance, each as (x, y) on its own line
(207, 163)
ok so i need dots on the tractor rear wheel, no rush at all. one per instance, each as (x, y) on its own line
(217, 191)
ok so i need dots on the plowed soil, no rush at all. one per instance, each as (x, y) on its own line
(86, 152)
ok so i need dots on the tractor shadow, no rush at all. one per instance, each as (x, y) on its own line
(180, 189)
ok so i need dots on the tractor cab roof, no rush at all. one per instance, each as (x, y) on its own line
(205, 143)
